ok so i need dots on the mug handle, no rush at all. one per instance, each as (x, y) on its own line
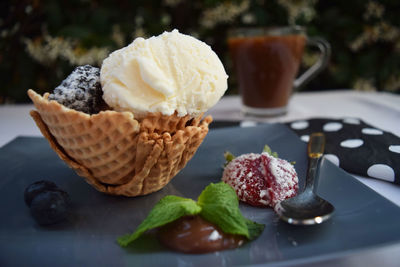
(318, 66)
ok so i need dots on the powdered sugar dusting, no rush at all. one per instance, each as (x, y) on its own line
(263, 193)
(282, 178)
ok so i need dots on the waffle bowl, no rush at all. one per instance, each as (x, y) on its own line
(116, 153)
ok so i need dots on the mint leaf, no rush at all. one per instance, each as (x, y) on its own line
(268, 150)
(255, 229)
(168, 209)
(228, 157)
(220, 205)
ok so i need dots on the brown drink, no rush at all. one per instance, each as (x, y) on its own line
(266, 67)
(266, 62)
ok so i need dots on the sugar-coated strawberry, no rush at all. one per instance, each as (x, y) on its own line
(261, 179)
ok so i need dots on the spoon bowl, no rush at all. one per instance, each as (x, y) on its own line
(307, 208)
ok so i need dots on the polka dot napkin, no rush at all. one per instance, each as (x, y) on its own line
(355, 146)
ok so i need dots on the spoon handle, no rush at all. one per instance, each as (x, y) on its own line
(316, 145)
(315, 151)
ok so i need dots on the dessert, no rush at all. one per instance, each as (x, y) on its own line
(156, 91)
(261, 179)
(212, 223)
(193, 234)
(81, 91)
(170, 73)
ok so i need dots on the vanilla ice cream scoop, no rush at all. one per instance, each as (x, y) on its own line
(169, 73)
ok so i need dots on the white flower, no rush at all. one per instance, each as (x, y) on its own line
(224, 12)
(52, 48)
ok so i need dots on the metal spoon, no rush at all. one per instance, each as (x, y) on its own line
(307, 208)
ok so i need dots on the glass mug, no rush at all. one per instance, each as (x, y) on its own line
(266, 62)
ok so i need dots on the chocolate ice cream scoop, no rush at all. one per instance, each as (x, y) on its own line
(81, 90)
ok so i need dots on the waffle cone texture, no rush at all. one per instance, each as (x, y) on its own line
(116, 153)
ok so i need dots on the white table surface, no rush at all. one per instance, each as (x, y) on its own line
(381, 110)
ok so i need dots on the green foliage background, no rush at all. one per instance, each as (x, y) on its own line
(42, 41)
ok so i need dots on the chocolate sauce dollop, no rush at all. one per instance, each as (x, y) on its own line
(193, 234)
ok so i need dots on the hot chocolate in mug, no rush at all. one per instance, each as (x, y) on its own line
(266, 62)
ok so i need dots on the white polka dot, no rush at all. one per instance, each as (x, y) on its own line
(305, 138)
(332, 127)
(395, 149)
(245, 124)
(351, 121)
(352, 143)
(371, 131)
(332, 158)
(299, 125)
(381, 171)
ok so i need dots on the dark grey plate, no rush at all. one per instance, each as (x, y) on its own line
(363, 219)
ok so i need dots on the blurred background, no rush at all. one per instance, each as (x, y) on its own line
(41, 42)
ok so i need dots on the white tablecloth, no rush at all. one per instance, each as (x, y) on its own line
(379, 109)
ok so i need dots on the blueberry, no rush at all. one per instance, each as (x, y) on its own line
(36, 188)
(50, 207)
